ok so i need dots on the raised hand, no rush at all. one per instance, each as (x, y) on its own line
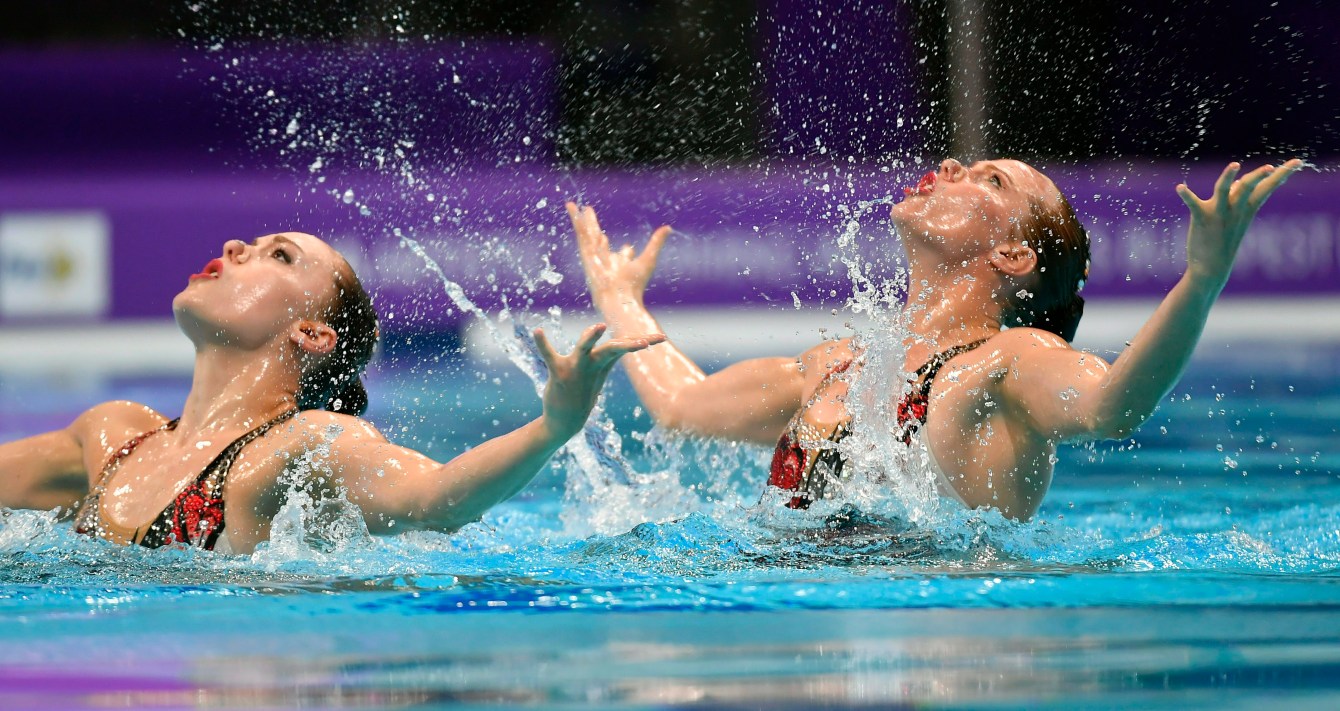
(613, 275)
(575, 379)
(1219, 223)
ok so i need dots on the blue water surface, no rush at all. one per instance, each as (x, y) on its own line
(1195, 565)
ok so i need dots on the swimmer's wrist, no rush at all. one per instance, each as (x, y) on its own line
(625, 314)
(555, 434)
(611, 302)
(1204, 289)
(1208, 282)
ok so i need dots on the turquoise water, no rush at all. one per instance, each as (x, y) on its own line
(1194, 566)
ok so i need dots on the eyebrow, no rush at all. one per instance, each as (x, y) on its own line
(279, 238)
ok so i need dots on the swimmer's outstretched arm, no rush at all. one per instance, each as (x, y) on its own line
(751, 400)
(43, 471)
(396, 484)
(1077, 394)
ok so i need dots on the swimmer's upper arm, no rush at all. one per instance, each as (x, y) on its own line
(751, 400)
(754, 400)
(48, 470)
(398, 488)
(1056, 390)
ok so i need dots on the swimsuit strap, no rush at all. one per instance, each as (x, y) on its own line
(124, 450)
(223, 463)
(914, 407)
(925, 375)
(90, 518)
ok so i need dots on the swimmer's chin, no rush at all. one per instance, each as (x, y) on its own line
(905, 211)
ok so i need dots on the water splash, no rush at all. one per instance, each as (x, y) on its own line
(883, 476)
(603, 493)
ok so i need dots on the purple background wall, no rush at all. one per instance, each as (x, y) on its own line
(453, 143)
(745, 237)
(839, 79)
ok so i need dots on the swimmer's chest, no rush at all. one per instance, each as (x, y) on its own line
(145, 482)
(960, 401)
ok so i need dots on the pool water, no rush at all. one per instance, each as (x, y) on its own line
(1194, 566)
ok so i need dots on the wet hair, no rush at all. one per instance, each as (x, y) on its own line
(335, 382)
(1062, 248)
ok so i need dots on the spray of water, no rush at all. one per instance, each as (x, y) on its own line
(603, 493)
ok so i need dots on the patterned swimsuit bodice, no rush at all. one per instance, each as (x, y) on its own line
(195, 515)
(806, 470)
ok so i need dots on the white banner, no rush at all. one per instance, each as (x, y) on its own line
(54, 264)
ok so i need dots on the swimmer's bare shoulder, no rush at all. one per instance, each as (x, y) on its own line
(101, 429)
(816, 363)
(320, 439)
(57, 468)
(324, 451)
(1048, 384)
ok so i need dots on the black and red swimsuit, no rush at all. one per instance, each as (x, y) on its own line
(195, 516)
(807, 471)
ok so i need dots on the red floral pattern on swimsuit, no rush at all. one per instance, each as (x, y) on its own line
(197, 516)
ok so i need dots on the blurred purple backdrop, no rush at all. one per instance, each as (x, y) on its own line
(454, 143)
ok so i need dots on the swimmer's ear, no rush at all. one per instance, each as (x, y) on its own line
(1014, 258)
(313, 337)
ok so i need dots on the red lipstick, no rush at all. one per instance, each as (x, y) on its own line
(212, 270)
(925, 186)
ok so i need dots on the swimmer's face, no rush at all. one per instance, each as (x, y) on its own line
(255, 291)
(960, 212)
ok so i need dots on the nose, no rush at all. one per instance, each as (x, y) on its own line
(235, 251)
(951, 169)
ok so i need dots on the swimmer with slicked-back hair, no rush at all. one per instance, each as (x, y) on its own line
(283, 331)
(998, 258)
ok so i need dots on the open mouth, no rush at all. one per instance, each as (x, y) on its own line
(925, 186)
(211, 270)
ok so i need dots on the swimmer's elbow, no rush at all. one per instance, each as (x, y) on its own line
(677, 414)
(1116, 424)
(666, 417)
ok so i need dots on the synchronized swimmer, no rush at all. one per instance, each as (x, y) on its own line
(283, 330)
(998, 258)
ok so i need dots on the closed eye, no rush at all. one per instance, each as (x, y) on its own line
(995, 178)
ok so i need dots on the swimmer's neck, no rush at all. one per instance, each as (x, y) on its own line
(949, 309)
(234, 389)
